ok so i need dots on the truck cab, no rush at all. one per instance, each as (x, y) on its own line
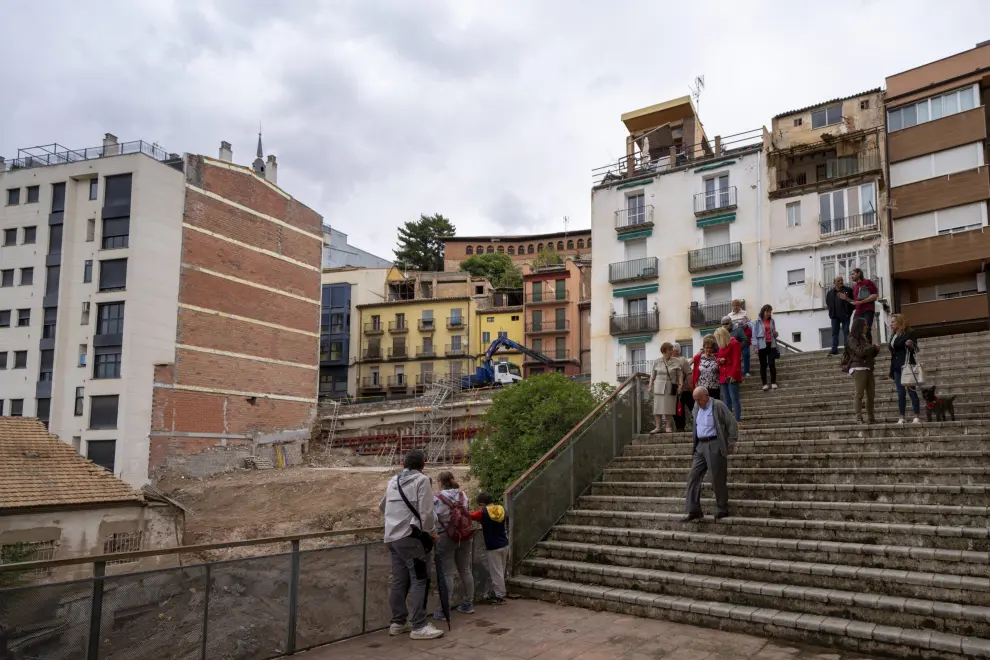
(507, 373)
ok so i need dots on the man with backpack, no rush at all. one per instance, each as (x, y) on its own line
(454, 538)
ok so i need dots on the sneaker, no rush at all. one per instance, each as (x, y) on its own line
(426, 632)
(496, 600)
(766, 387)
(747, 375)
(774, 386)
(900, 421)
(439, 616)
(395, 629)
(916, 421)
(466, 608)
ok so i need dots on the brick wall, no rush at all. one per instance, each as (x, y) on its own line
(246, 367)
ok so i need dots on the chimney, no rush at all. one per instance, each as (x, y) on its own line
(271, 171)
(226, 153)
(110, 146)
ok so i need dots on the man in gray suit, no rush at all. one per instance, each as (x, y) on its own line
(715, 435)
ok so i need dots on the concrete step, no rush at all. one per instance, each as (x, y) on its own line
(921, 535)
(840, 395)
(929, 514)
(980, 428)
(888, 494)
(938, 373)
(834, 460)
(854, 635)
(815, 445)
(786, 475)
(921, 612)
(787, 422)
(811, 557)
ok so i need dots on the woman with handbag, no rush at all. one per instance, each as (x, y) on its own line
(765, 338)
(905, 370)
(665, 380)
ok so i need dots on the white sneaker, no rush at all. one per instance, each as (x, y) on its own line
(395, 629)
(748, 375)
(766, 387)
(900, 421)
(774, 386)
(916, 421)
(426, 632)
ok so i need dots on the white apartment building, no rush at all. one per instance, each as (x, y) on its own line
(82, 320)
(828, 202)
(681, 223)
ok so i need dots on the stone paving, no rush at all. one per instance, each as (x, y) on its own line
(525, 630)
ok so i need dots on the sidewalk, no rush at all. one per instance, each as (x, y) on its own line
(525, 629)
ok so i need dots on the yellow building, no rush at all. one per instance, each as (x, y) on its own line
(498, 315)
(422, 326)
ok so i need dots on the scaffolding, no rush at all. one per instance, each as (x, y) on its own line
(434, 424)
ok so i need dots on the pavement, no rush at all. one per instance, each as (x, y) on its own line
(526, 630)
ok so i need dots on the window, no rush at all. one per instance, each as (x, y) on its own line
(47, 365)
(515, 317)
(102, 453)
(842, 264)
(23, 318)
(82, 355)
(455, 343)
(502, 334)
(43, 409)
(117, 190)
(58, 197)
(13, 196)
(580, 244)
(501, 249)
(480, 249)
(796, 337)
(115, 233)
(490, 319)
(469, 250)
(9, 237)
(716, 193)
(113, 275)
(636, 209)
(529, 250)
(560, 245)
(937, 164)
(27, 276)
(933, 108)
(864, 104)
(103, 412)
(511, 250)
(491, 250)
(336, 350)
(94, 187)
(3, 359)
(55, 239)
(20, 359)
(959, 219)
(560, 348)
(799, 121)
(17, 407)
(337, 323)
(795, 277)
(51, 280)
(794, 214)
(7, 277)
(522, 249)
(48, 327)
(30, 235)
(107, 362)
(570, 245)
(91, 230)
(486, 339)
(4, 318)
(88, 271)
(84, 318)
(560, 289)
(33, 194)
(826, 116)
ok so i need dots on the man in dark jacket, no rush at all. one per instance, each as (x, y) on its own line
(839, 311)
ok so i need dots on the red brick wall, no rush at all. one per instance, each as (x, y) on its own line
(187, 422)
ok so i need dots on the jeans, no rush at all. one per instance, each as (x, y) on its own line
(456, 556)
(836, 324)
(901, 395)
(410, 575)
(768, 361)
(865, 387)
(746, 354)
(730, 397)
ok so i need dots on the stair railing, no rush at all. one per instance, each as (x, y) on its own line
(538, 499)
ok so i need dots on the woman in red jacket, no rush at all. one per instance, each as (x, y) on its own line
(730, 369)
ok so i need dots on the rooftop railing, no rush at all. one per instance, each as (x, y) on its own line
(56, 154)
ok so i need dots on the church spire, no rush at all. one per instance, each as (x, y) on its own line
(259, 163)
(261, 153)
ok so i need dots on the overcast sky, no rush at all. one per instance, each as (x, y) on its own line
(491, 113)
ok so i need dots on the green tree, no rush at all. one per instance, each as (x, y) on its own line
(420, 245)
(498, 268)
(523, 423)
(547, 258)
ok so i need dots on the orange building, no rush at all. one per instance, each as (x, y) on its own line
(522, 248)
(557, 315)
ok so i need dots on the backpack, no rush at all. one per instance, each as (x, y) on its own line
(459, 528)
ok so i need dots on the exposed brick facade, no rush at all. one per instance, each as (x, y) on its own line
(203, 430)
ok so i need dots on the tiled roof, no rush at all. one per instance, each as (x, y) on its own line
(875, 90)
(37, 469)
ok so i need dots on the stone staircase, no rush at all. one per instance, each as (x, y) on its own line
(868, 538)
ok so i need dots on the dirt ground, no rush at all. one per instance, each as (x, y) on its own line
(263, 503)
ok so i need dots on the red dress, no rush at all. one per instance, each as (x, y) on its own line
(733, 362)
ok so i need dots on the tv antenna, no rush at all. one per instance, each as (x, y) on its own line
(699, 86)
(566, 222)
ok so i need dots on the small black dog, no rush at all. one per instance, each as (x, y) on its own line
(938, 406)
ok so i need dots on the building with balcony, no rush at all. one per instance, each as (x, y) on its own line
(420, 325)
(555, 322)
(155, 307)
(828, 202)
(523, 248)
(939, 187)
(498, 315)
(679, 222)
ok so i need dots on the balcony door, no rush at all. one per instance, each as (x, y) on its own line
(716, 192)
(637, 310)
(636, 209)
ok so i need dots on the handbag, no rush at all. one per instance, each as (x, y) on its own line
(912, 375)
(425, 538)
(668, 387)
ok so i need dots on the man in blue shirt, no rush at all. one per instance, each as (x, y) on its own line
(715, 436)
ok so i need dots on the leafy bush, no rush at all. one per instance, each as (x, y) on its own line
(523, 423)
(601, 391)
(498, 268)
(547, 258)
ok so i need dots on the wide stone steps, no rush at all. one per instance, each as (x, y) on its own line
(907, 612)
(873, 538)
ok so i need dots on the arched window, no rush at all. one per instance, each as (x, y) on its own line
(501, 249)
(469, 250)
(522, 249)
(529, 250)
(580, 243)
(511, 250)
(589, 242)
(539, 247)
(480, 250)
(560, 245)
(570, 245)
(491, 250)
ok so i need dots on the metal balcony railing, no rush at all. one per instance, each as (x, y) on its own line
(630, 218)
(717, 256)
(371, 383)
(371, 353)
(398, 352)
(426, 351)
(455, 350)
(398, 381)
(721, 199)
(636, 269)
(455, 322)
(56, 154)
(547, 297)
(397, 327)
(373, 328)
(624, 370)
(627, 323)
(548, 325)
(427, 325)
(852, 224)
(710, 314)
